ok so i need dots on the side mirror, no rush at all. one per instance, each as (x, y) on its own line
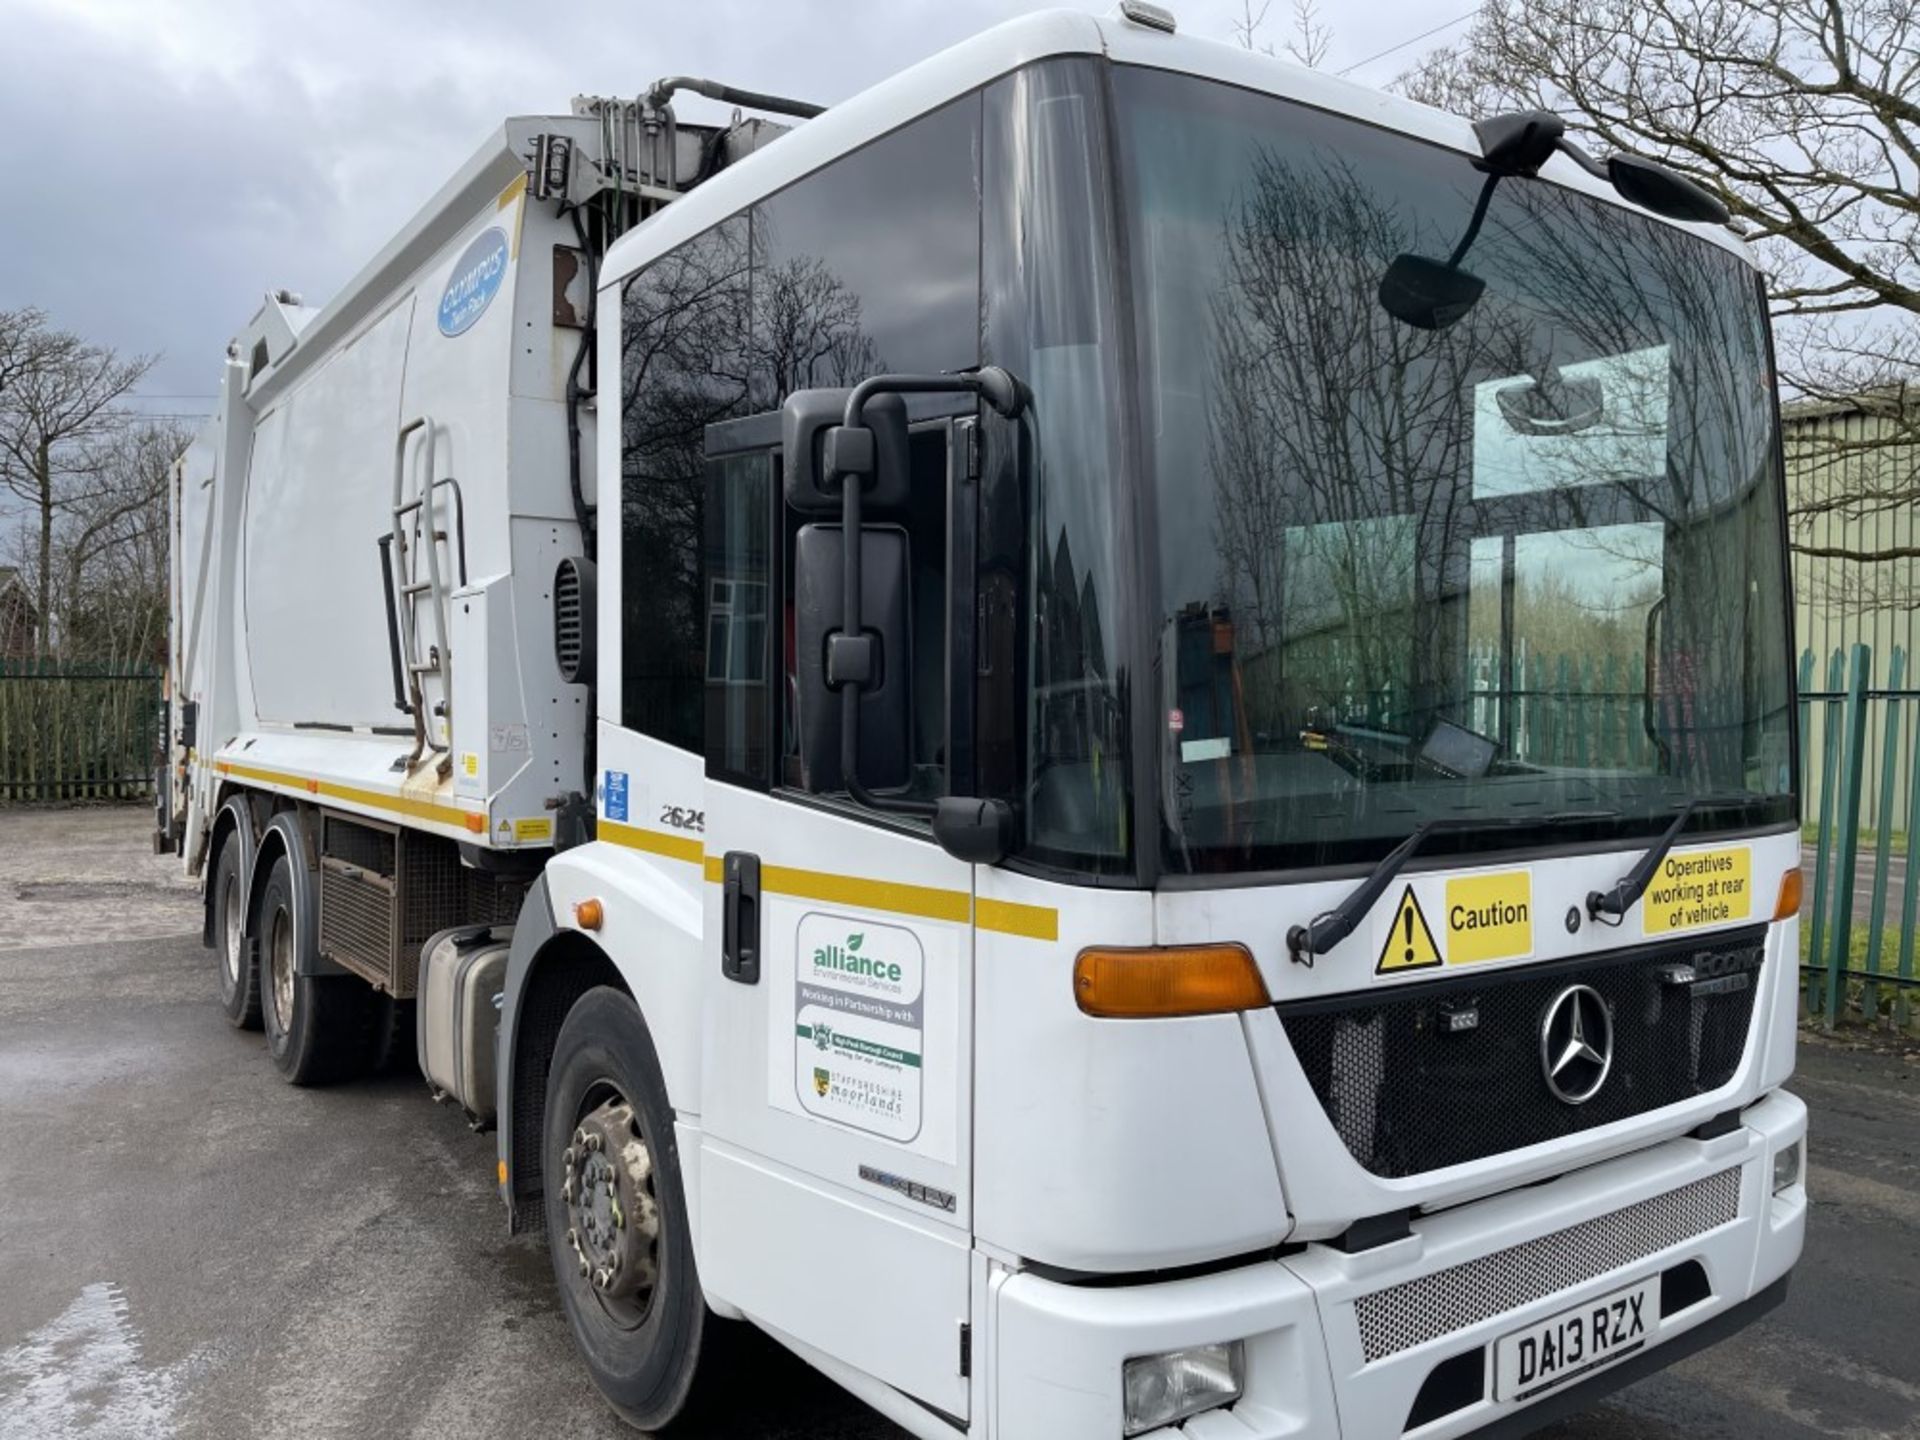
(886, 693)
(1428, 294)
(849, 450)
(1652, 186)
(807, 422)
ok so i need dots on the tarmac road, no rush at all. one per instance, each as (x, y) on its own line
(192, 1250)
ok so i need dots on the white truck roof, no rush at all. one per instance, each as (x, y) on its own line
(992, 53)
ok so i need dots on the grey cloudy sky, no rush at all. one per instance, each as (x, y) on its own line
(171, 160)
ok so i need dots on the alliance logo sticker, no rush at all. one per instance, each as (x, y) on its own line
(1409, 942)
(475, 281)
(859, 1023)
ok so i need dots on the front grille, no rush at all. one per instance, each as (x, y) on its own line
(1423, 1309)
(1409, 1093)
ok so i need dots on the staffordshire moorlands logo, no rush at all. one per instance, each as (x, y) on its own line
(822, 1078)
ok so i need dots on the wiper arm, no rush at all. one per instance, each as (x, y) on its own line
(1631, 886)
(1304, 942)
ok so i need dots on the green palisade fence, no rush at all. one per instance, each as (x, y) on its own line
(77, 732)
(1859, 759)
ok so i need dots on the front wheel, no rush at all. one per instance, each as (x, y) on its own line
(617, 1229)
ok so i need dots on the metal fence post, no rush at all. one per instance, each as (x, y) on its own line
(1839, 949)
(1883, 835)
(1823, 832)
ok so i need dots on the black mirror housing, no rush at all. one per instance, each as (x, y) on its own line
(1652, 186)
(979, 832)
(1428, 294)
(1520, 143)
(810, 449)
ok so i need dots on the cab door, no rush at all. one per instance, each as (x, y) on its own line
(834, 1178)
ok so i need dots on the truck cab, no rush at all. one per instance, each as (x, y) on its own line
(969, 982)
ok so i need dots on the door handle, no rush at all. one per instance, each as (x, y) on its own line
(740, 917)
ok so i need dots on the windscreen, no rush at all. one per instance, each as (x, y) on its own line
(1448, 521)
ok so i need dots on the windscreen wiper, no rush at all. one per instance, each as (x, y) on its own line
(1304, 942)
(1631, 886)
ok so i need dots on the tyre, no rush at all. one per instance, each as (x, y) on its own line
(320, 1028)
(237, 966)
(617, 1229)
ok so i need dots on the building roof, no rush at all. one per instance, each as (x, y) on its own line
(1874, 400)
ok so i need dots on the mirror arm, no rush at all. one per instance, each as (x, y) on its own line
(852, 689)
(1473, 225)
(1006, 395)
(1580, 157)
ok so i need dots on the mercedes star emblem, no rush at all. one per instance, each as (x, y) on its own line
(1576, 1044)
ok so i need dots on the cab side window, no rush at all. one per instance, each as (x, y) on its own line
(683, 366)
(872, 263)
(739, 628)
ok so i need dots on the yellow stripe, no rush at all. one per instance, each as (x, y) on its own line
(1009, 917)
(654, 842)
(1032, 922)
(417, 809)
(892, 895)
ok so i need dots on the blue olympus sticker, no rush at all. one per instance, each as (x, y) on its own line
(616, 795)
(475, 281)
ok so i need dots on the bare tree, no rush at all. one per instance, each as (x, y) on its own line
(111, 547)
(1307, 45)
(57, 409)
(1804, 117)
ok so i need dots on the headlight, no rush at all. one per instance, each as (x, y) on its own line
(1786, 1166)
(1163, 1389)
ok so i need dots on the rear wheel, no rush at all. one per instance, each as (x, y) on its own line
(239, 969)
(320, 1028)
(617, 1229)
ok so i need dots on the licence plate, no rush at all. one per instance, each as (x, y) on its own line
(1552, 1352)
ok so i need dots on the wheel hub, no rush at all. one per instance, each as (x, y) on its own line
(282, 965)
(613, 1221)
(236, 924)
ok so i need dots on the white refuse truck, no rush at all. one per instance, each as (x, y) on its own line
(1106, 736)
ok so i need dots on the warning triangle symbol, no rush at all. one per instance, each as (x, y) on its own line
(1409, 943)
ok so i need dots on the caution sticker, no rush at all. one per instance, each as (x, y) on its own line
(1695, 888)
(1409, 942)
(538, 827)
(1489, 917)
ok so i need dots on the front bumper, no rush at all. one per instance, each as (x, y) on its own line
(1399, 1340)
